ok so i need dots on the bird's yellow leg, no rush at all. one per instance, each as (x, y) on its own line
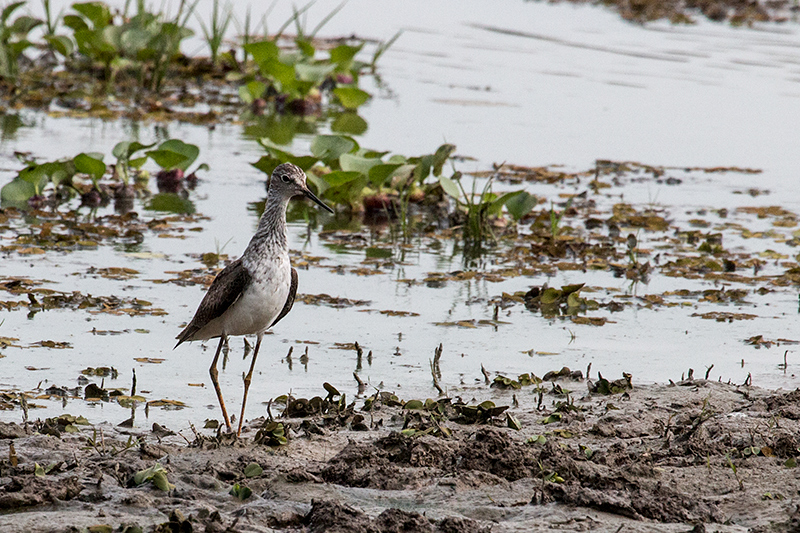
(247, 379)
(215, 381)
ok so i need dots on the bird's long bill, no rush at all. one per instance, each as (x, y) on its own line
(316, 200)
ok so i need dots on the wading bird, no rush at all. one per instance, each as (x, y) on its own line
(253, 293)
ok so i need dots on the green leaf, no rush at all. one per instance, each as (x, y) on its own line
(555, 417)
(267, 164)
(413, 404)
(251, 91)
(423, 168)
(157, 474)
(24, 24)
(138, 162)
(536, 439)
(313, 73)
(75, 22)
(355, 163)
(450, 187)
(349, 122)
(61, 44)
(569, 289)
(38, 471)
(97, 13)
(262, 51)
(520, 203)
(240, 491)
(90, 164)
(8, 10)
(161, 482)
(253, 470)
(331, 147)
(189, 151)
(351, 97)
(125, 149)
(574, 300)
(337, 178)
(170, 203)
(281, 73)
(441, 156)
(342, 56)
(305, 47)
(380, 173)
(512, 422)
(550, 295)
(167, 159)
(17, 192)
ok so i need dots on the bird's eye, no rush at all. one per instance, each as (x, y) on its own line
(285, 178)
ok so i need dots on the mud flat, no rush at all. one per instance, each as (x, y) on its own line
(690, 456)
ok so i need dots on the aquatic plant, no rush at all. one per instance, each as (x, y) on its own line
(479, 209)
(61, 44)
(296, 78)
(143, 43)
(62, 178)
(358, 178)
(214, 33)
(14, 40)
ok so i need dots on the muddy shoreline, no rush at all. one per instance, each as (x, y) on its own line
(695, 455)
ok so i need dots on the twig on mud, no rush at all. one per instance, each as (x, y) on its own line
(269, 409)
(23, 403)
(436, 372)
(13, 459)
(196, 436)
(184, 438)
(361, 385)
(288, 357)
(485, 375)
(708, 370)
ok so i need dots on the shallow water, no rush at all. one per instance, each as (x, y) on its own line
(526, 83)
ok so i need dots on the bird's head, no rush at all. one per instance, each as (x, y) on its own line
(289, 180)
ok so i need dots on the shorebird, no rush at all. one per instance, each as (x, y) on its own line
(253, 293)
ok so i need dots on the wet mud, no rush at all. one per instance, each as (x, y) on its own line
(695, 455)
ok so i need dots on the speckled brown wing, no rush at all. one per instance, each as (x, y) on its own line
(290, 300)
(224, 291)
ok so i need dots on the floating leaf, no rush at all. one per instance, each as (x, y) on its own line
(520, 204)
(413, 404)
(17, 192)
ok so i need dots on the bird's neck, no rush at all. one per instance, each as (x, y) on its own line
(270, 236)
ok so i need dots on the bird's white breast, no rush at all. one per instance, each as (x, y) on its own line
(263, 299)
